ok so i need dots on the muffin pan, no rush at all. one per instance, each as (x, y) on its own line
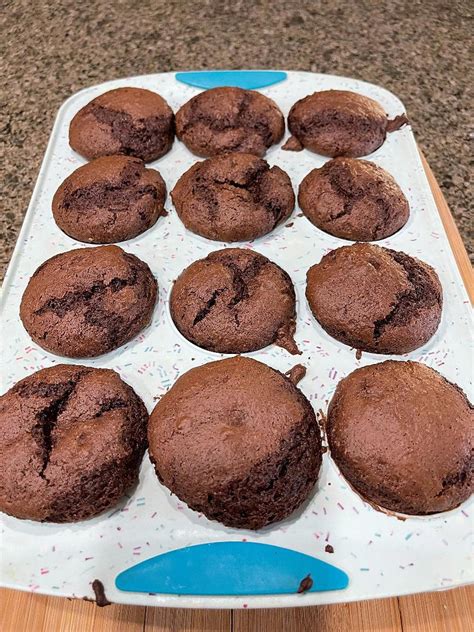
(382, 555)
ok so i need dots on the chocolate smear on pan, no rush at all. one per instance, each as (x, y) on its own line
(305, 584)
(292, 144)
(100, 598)
(296, 374)
(399, 121)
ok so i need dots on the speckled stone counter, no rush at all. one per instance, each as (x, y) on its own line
(419, 50)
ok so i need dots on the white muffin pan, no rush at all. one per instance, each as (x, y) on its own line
(382, 555)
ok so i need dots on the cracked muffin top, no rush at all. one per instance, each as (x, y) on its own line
(233, 301)
(403, 436)
(339, 123)
(88, 301)
(353, 199)
(237, 441)
(110, 199)
(229, 119)
(233, 197)
(130, 121)
(72, 439)
(375, 299)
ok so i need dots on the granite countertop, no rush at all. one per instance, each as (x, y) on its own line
(415, 48)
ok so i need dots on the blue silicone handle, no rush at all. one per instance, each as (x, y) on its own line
(248, 79)
(230, 568)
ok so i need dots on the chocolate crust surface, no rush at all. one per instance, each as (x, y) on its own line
(402, 435)
(72, 439)
(242, 454)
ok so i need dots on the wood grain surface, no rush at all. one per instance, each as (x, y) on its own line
(448, 611)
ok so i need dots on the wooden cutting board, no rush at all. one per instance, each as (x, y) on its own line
(448, 611)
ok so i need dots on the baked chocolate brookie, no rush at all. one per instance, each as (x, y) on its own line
(229, 119)
(88, 301)
(375, 299)
(353, 199)
(339, 123)
(236, 441)
(403, 436)
(233, 301)
(71, 442)
(130, 121)
(112, 198)
(233, 197)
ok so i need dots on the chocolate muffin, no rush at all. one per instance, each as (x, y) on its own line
(375, 299)
(130, 121)
(234, 301)
(236, 441)
(233, 197)
(402, 436)
(353, 199)
(339, 123)
(88, 301)
(110, 199)
(72, 439)
(229, 119)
